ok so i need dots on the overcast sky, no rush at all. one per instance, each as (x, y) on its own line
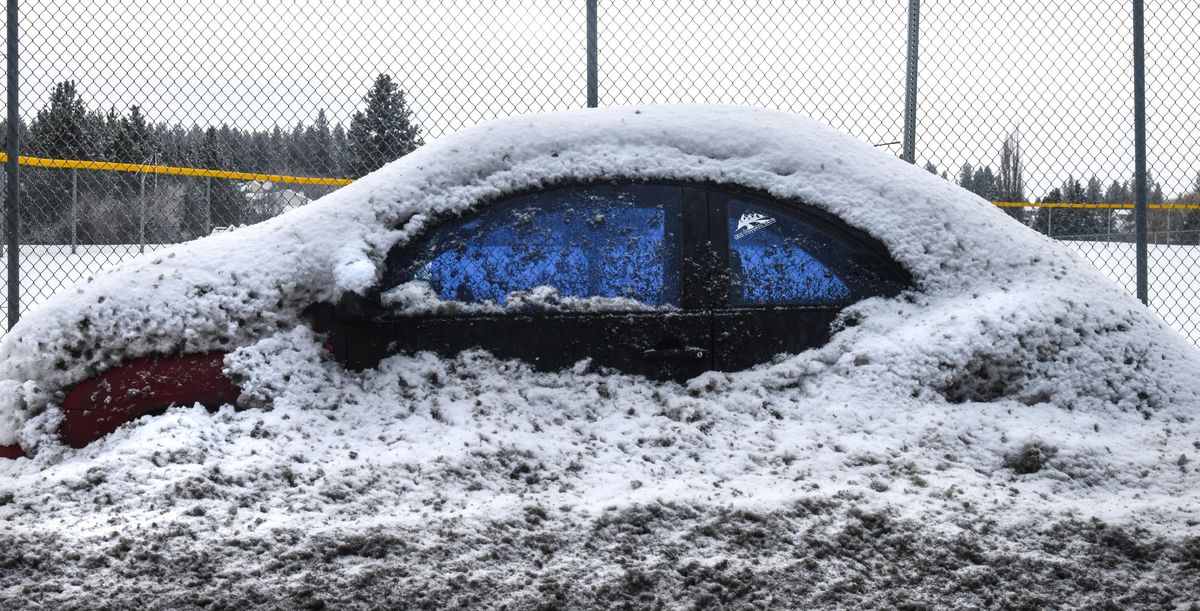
(1060, 72)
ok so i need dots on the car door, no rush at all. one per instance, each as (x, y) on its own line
(785, 272)
(592, 272)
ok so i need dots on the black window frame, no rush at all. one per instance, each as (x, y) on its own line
(361, 331)
(685, 272)
(874, 256)
(705, 275)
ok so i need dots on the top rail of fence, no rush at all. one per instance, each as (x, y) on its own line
(112, 166)
(142, 168)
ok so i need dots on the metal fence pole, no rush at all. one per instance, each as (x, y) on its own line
(593, 69)
(1139, 149)
(910, 88)
(74, 209)
(142, 214)
(13, 183)
(207, 205)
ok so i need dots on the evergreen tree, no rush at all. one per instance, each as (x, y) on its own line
(339, 151)
(1047, 220)
(318, 153)
(133, 141)
(297, 157)
(1118, 193)
(225, 202)
(1072, 191)
(1189, 220)
(1093, 194)
(966, 176)
(61, 129)
(384, 131)
(984, 183)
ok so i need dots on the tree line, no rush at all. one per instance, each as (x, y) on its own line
(121, 207)
(1007, 185)
(61, 206)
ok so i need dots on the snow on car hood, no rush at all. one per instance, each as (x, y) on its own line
(1012, 395)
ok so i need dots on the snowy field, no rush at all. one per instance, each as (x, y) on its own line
(49, 268)
(1174, 278)
(1174, 275)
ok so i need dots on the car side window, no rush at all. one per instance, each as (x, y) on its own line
(777, 258)
(604, 241)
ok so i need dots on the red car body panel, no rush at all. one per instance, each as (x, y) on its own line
(98, 406)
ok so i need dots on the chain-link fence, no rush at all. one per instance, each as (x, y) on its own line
(1028, 104)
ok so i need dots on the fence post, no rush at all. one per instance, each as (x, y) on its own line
(142, 214)
(74, 209)
(593, 71)
(207, 206)
(909, 153)
(1139, 148)
(13, 181)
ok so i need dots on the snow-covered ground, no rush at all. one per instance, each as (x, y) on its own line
(49, 268)
(1174, 278)
(1014, 432)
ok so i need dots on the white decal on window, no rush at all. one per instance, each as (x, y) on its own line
(751, 222)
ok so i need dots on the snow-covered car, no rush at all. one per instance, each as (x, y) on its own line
(660, 241)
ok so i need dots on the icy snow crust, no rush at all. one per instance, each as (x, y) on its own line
(1014, 409)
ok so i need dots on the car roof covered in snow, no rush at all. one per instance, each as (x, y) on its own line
(997, 311)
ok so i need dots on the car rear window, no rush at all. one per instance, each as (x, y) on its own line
(779, 259)
(593, 241)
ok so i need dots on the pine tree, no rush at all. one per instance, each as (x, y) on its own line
(1189, 224)
(1118, 193)
(318, 156)
(133, 141)
(339, 151)
(1048, 220)
(966, 176)
(297, 156)
(384, 131)
(60, 130)
(226, 204)
(1093, 193)
(984, 183)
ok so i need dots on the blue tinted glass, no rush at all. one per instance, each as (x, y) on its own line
(773, 260)
(586, 242)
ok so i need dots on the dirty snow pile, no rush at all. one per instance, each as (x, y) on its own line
(1013, 431)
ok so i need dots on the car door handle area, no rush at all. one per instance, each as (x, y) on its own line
(688, 353)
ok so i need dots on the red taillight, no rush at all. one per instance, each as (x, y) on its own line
(96, 407)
